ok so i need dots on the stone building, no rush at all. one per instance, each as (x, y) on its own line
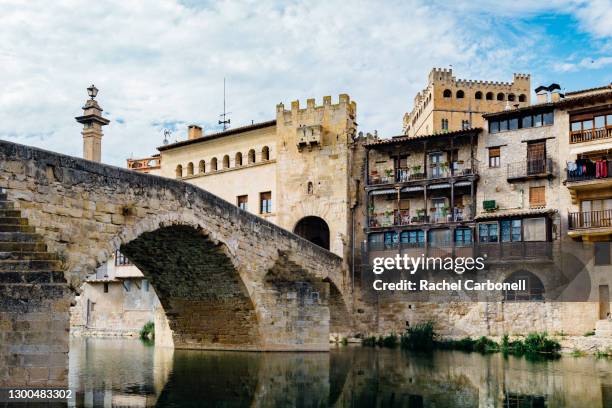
(294, 171)
(538, 206)
(449, 104)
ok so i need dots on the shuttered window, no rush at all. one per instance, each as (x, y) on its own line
(537, 196)
(494, 157)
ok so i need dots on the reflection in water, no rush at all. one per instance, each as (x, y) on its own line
(127, 373)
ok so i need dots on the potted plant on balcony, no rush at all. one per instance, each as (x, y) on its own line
(445, 213)
(388, 220)
(444, 168)
(416, 173)
(388, 175)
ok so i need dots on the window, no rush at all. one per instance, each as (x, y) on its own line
(534, 229)
(309, 188)
(500, 96)
(465, 124)
(537, 120)
(435, 161)
(226, 161)
(145, 285)
(463, 237)
(105, 287)
(439, 237)
(494, 126)
(487, 232)
(522, 98)
(414, 238)
(265, 200)
(179, 171)
(238, 160)
(460, 94)
(503, 125)
(510, 230)
(513, 123)
(213, 164)
(265, 153)
(444, 124)
(121, 260)
(534, 289)
(489, 96)
(527, 122)
(447, 93)
(537, 196)
(390, 239)
(547, 118)
(202, 166)
(494, 157)
(243, 202)
(190, 169)
(511, 97)
(602, 253)
(478, 95)
(251, 156)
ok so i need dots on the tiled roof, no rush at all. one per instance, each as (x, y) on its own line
(514, 213)
(218, 135)
(405, 138)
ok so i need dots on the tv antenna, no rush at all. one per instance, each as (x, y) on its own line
(167, 133)
(225, 121)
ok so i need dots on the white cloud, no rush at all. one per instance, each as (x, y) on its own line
(164, 62)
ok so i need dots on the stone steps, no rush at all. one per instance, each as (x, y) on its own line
(13, 221)
(17, 228)
(6, 205)
(22, 246)
(32, 277)
(10, 213)
(28, 265)
(26, 255)
(19, 237)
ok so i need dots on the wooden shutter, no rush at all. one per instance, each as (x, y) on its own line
(537, 196)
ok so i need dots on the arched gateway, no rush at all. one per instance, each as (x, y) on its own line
(226, 278)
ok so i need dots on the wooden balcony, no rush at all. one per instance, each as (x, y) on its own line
(590, 135)
(530, 169)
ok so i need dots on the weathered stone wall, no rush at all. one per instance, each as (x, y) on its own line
(85, 211)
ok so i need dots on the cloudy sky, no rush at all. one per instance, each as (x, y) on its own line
(161, 64)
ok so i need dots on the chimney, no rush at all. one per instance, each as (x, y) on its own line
(194, 132)
(555, 96)
(541, 94)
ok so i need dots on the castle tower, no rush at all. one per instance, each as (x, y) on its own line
(92, 121)
(313, 170)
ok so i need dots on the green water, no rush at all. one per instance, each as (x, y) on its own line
(109, 372)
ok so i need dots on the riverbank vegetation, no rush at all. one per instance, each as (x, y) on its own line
(147, 333)
(422, 337)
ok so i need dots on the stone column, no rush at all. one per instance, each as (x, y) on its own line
(92, 121)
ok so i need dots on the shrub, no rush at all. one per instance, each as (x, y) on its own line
(589, 333)
(485, 345)
(390, 341)
(369, 341)
(540, 343)
(419, 337)
(148, 331)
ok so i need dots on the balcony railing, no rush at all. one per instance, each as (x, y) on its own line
(589, 173)
(590, 219)
(416, 173)
(590, 134)
(530, 168)
(403, 218)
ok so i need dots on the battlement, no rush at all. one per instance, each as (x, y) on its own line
(344, 101)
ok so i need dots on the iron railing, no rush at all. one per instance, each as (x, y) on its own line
(403, 218)
(530, 168)
(590, 219)
(587, 174)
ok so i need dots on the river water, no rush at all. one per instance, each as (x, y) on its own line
(119, 372)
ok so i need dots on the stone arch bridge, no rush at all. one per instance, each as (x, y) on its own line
(226, 278)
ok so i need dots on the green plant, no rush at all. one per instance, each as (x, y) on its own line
(540, 343)
(390, 341)
(389, 172)
(369, 341)
(589, 333)
(607, 353)
(485, 345)
(148, 331)
(416, 169)
(578, 353)
(344, 341)
(419, 337)
(505, 344)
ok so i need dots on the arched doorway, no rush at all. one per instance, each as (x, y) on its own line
(314, 229)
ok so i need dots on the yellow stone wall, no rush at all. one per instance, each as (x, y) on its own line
(430, 105)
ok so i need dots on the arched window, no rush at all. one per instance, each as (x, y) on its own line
(447, 93)
(500, 96)
(511, 97)
(238, 160)
(265, 153)
(309, 188)
(226, 161)
(460, 94)
(179, 171)
(251, 156)
(190, 169)
(202, 167)
(213, 164)
(532, 288)
(489, 96)
(478, 95)
(522, 98)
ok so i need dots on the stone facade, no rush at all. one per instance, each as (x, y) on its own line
(449, 104)
(217, 270)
